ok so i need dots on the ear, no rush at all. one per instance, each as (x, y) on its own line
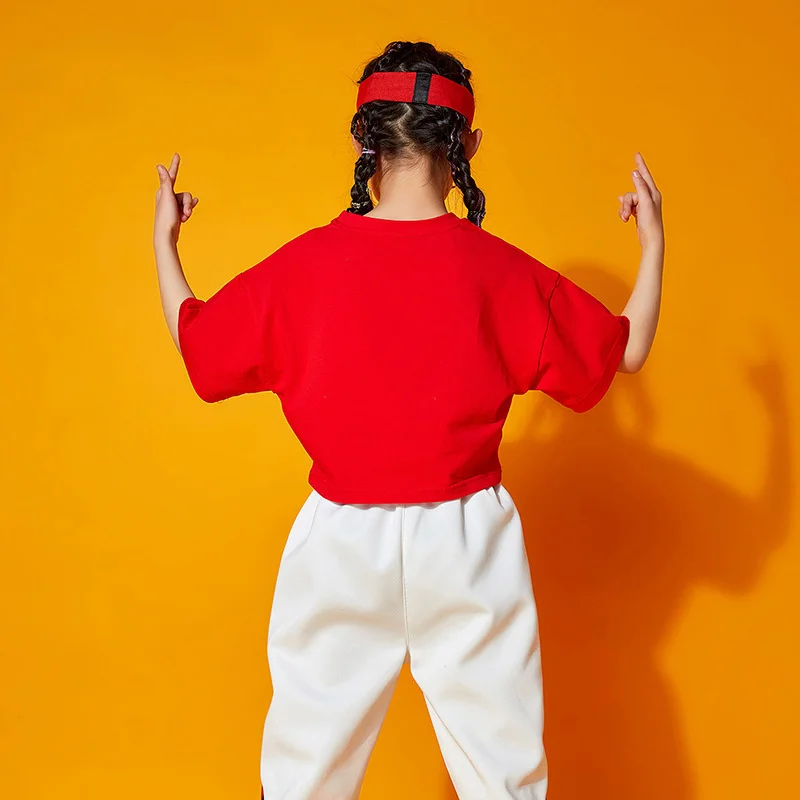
(472, 141)
(356, 145)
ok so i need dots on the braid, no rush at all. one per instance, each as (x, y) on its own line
(400, 131)
(361, 201)
(474, 199)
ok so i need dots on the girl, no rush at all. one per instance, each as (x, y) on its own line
(396, 336)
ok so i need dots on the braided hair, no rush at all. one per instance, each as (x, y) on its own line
(401, 130)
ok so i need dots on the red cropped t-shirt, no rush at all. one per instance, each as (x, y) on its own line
(396, 347)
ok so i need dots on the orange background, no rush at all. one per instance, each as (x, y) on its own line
(142, 528)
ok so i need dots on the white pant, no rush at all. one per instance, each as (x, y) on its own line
(360, 589)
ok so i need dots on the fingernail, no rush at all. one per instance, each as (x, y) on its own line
(636, 173)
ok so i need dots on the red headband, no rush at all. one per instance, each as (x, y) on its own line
(417, 87)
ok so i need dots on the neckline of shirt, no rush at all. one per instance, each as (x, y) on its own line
(399, 227)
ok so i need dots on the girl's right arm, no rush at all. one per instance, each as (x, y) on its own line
(645, 302)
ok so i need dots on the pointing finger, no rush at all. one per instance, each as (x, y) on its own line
(642, 187)
(645, 172)
(173, 167)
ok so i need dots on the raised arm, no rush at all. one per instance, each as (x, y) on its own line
(172, 209)
(644, 305)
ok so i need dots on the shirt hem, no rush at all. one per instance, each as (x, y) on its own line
(406, 496)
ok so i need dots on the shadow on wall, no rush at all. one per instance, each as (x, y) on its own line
(617, 533)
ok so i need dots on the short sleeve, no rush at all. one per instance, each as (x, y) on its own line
(582, 348)
(223, 345)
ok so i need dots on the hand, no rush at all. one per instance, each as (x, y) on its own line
(645, 205)
(172, 208)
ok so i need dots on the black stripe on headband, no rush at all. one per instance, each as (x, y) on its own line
(422, 85)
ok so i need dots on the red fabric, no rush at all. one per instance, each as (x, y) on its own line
(582, 348)
(224, 344)
(396, 348)
(444, 92)
(399, 87)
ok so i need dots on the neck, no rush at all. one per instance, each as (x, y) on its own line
(415, 191)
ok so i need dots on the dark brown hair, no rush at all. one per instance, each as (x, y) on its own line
(398, 130)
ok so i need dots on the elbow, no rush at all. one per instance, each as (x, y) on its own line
(637, 350)
(633, 360)
(630, 366)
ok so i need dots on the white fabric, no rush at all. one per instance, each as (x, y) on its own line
(362, 588)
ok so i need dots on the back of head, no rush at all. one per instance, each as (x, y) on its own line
(402, 132)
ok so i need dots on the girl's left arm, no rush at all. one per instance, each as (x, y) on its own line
(172, 209)
(644, 306)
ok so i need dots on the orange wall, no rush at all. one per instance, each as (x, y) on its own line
(142, 528)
